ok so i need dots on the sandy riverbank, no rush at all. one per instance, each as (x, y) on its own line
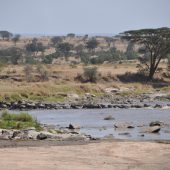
(110, 155)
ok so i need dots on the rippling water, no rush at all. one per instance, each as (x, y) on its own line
(92, 121)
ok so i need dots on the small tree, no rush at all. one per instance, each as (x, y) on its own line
(56, 40)
(35, 46)
(90, 74)
(11, 55)
(16, 55)
(71, 35)
(156, 43)
(64, 49)
(92, 44)
(16, 38)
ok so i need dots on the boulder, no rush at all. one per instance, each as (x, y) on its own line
(123, 125)
(91, 106)
(89, 95)
(73, 96)
(17, 134)
(156, 123)
(146, 105)
(76, 106)
(6, 134)
(41, 136)
(157, 106)
(32, 134)
(111, 90)
(154, 129)
(71, 126)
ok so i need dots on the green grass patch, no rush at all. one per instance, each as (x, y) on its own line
(18, 121)
(166, 88)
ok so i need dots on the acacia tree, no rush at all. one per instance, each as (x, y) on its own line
(35, 47)
(92, 44)
(156, 44)
(16, 38)
(55, 40)
(64, 49)
(5, 35)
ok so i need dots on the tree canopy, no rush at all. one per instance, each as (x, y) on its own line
(64, 49)
(92, 44)
(5, 35)
(35, 46)
(156, 44)
(55, 40)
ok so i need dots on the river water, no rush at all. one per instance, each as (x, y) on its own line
(92, 121)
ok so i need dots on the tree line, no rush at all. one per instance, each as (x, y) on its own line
(154, 46)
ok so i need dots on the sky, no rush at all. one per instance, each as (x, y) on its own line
(55, 17)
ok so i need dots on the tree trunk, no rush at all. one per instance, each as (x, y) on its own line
(151, 72)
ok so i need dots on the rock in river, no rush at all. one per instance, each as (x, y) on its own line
(154, 129)
(123, 125)
(156, 123)
(109, 118)
(71, 126)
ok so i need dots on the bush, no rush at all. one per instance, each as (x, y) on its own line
(42, 71)
(132, 77)
(18, 121)
(90, 74)
(47, 59)
(30, 60)
(28, 70)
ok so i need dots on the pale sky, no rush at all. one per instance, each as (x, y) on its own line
(82, 16)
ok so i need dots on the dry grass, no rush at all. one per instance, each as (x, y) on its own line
(62, 82)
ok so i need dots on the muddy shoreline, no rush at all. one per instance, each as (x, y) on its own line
(50, 143)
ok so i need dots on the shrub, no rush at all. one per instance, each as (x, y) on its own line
(90, 74)
(42, 71)
(30, 60)
(28, 70)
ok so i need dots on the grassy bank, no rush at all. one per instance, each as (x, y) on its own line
(62, 82)
(18, 121)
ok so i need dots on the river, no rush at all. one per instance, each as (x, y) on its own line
(92, 121)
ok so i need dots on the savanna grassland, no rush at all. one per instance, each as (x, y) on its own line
(50, 68)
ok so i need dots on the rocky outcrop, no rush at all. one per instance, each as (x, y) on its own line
(46, 134)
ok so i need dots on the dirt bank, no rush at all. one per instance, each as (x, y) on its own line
(104, 155)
